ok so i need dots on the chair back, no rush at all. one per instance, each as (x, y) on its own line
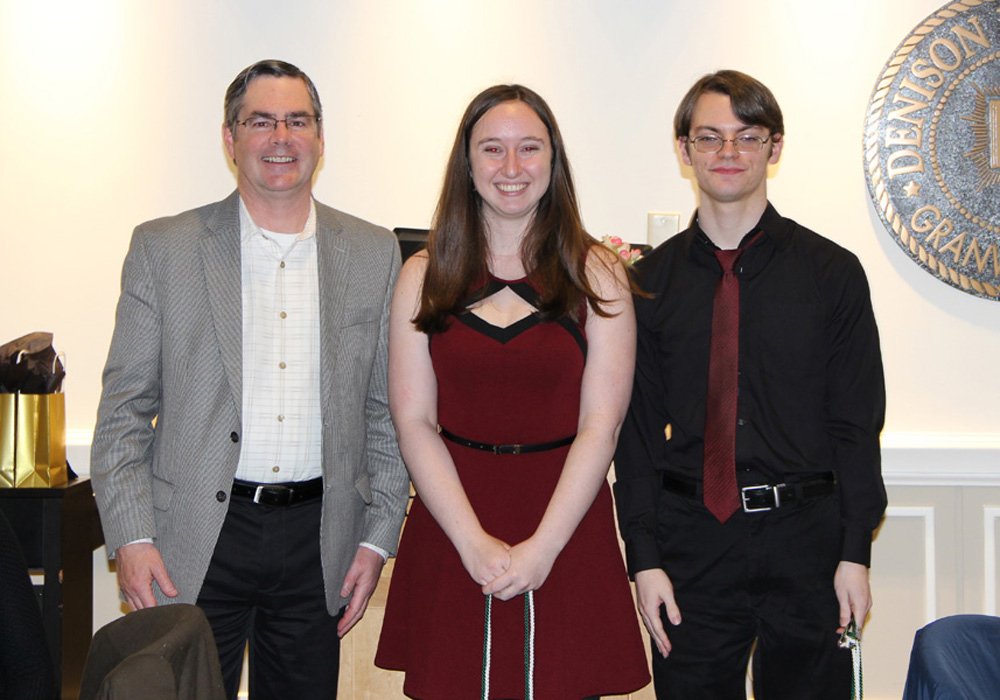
(161, 653)
(955, 658)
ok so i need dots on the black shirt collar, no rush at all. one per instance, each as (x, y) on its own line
(774, 234)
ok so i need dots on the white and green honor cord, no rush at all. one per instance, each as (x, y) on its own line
(850, 639)
(529, 647)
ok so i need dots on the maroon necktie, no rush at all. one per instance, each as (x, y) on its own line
(719, 475)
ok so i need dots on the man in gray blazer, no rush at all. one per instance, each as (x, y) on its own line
(244, 457)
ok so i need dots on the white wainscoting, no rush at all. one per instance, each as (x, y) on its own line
(926, 515)
(991, 514)
(936, 553)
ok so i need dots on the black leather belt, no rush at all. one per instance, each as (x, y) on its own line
(278, 494)
(765, 496)
(507, 449)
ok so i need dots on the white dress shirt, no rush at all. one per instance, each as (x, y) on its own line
(282, 438)
(282, 420)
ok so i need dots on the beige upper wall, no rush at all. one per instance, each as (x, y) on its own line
(111, 115)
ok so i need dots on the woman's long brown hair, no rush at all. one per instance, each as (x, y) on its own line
(554, 250)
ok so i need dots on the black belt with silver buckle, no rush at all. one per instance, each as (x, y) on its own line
(278, 494)
(507, 449)
(764, 497)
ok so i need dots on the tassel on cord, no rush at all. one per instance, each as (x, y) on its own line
(850, 639)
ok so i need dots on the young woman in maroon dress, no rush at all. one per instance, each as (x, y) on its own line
(511, 353)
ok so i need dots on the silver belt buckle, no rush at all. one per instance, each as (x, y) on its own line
(774, 489)
(257, 493)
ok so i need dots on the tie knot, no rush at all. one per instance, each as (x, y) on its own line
(727, 258)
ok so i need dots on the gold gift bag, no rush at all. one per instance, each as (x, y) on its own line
(32, 440)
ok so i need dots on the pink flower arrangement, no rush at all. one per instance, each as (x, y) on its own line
(627, 254)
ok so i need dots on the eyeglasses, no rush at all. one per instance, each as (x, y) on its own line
(298, 124)
(744, 143)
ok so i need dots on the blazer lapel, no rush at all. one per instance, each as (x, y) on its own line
(332, 251)
(220, 247)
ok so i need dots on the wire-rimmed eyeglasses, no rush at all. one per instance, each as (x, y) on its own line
(744, 143)
(300, 123)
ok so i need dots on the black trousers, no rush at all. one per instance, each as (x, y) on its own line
(764, 578)
(265, 586)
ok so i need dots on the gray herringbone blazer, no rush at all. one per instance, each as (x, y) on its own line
(176, 357)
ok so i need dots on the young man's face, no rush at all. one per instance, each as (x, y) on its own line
(727, 176)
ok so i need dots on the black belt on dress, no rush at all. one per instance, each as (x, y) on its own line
(764, 496)
(278, 494)
(507, 449)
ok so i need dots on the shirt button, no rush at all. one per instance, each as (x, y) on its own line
(283, 315)
(275, 469)
(234, 436)
(281, 264)
(282, 365)
(220, 496)
(281, 418)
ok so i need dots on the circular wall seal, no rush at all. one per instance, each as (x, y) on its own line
(932, 146)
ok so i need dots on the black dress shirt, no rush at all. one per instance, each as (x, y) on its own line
(811, 390)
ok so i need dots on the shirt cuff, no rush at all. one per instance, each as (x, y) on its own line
(641, 553)
(857, 545)
(141, 540)
(378, 550)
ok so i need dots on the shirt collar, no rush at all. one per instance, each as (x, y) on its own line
(249, 227)
(772, 228)
(770, 223)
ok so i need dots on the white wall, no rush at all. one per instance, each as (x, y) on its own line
(111, 115)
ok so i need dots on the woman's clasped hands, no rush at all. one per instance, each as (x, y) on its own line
(504, 571)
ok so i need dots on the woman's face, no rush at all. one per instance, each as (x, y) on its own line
(511, 160)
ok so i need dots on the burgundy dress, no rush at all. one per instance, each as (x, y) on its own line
(514, 385)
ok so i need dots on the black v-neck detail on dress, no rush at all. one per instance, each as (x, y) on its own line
(504, 334)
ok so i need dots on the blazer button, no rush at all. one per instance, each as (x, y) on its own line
(234, 436)
(220, 496)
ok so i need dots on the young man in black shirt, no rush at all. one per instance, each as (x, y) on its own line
(749, 475)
